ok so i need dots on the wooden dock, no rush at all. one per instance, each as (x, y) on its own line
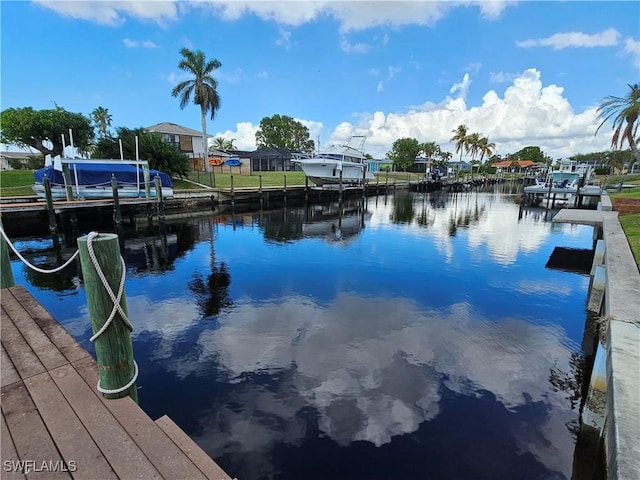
(56, 425)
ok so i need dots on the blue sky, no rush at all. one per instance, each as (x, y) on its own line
(521, 73)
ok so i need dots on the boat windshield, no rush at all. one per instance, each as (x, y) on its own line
(339, 157)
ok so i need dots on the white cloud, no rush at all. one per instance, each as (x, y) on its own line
(462, 87)
(175, 78)
(347, 47)
(501, 77)
(113, 13)
(380, 86)
(473, 67)
(374, 72)
(632, 49)
(284, 39)
(355, 15)
(526, 113)
(135, 43)
(558, 41)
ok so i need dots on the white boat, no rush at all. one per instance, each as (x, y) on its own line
(345, 163)
(91, 179)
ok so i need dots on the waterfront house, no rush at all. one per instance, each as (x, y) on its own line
(186, 140)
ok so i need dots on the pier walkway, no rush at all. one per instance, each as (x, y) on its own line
(56, 425)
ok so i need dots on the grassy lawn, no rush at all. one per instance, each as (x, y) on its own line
(16, 183)
(631, 227)
(273, 179)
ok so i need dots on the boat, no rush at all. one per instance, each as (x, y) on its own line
(562, 183)
(91, 179)
(344, 164)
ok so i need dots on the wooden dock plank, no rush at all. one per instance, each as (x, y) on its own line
(204, 462)
(24, 359)
(170, 461)
(48, 353)
(30, 436)
(9, 454)
(69, 347)
(8, 371)
(74, 443)
(124, 456)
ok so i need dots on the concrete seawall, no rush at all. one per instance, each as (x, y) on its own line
(621, 311)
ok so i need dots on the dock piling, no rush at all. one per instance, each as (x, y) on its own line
(103, 272)
(6, 274)
(53, 225)
(159, 198)
(117, 215)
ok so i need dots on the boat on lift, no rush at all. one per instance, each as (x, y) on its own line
(346, 164)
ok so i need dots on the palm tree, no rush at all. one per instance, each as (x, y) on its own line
(102, 120)
(461, 139)
(485, 148)
(203, 87)
(222, 143)
(430, 149)
(624, 112)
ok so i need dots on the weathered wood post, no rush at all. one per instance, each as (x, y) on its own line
(159, 198)
(306, 188)
(66, 173)
(6, 274)
(340, 187)
(53, 225)
(285, 188)
(146, 178)
(106, 299)
(117, 215)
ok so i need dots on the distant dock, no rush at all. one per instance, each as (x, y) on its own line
(56, 425)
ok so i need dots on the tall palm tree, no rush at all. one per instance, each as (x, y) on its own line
(102, 120)
(461, 140)
(430, 149)
(485, 147)
(624, 113)
(222, 143)
(202, 86)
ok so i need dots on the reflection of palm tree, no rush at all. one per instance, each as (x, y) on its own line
(403, 211)
(212, 293)
(625, 112)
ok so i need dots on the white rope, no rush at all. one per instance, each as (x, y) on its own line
(33, 267)
(121, 389)
(114, 298)
(116, 308)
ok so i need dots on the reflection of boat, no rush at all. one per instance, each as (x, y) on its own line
(334, 223)
(346, 162)
(233, 162)
(92, 179)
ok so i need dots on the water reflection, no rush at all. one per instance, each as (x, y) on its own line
(405, 352)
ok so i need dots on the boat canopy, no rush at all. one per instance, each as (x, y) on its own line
(88, 173)
(233, 162)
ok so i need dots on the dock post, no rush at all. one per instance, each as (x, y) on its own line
(340, 188)
(306, 188)
(146, 178)
(160, 200)
(364, 182)
(233, 195)
(6, 275)
(117, 215)
(66, 173)
(114, 348)
(53, 225)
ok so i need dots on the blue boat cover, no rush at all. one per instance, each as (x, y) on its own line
(100, 173)
(233, 162)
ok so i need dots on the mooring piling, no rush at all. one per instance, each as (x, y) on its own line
(117, 215)
(51, 214)
(159, 198)
(6, 274)
(103, 271)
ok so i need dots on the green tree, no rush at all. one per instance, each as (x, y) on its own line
(461, 139)
(221, 143)
(404, 152)
(26, 127)
(485, 148)
(623, 112)
(533, 153)
(161, 155)
(282, 131)
(102, 120)
(430, 149)
(203, 87)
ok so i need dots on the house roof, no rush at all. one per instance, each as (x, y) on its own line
(21, 155)
(271, 152)
(174, 128)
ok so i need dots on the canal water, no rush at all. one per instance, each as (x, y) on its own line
(415, 336)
